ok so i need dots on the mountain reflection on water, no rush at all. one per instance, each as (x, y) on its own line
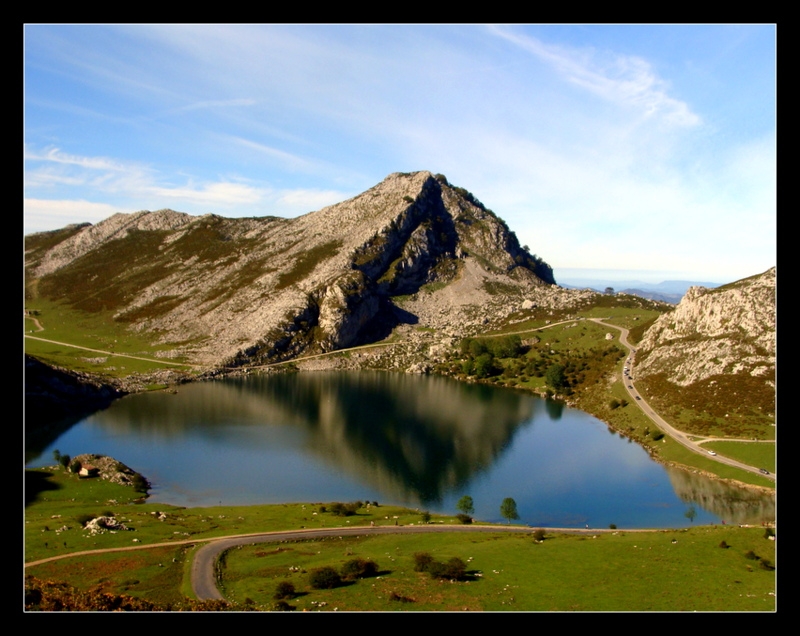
(414, 440)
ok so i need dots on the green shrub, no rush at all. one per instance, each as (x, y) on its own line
(425, 516)
(359, 569)
(284, 589)
(283, 606)
(140, 484)
(465, 519)
(324, 578)
(422, 561)
(345, 510)
(538, 534)
(453, 570)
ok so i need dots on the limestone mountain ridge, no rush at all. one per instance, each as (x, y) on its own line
(726, 330)
(243, 291)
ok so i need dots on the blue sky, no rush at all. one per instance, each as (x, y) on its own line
(642, 151)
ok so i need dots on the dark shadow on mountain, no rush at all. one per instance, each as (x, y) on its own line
(384, 322)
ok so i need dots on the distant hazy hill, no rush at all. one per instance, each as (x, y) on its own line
(668, 291)
(412, 249)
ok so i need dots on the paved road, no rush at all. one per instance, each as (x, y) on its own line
(203, 568)
(679, 436)
(203, 578)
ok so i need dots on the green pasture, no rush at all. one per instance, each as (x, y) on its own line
(760, 454)
(683, 570)
(58, 499)
(603, 572)
(98, 331)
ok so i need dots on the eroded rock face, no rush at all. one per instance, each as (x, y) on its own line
(413, 249)
(727, 330)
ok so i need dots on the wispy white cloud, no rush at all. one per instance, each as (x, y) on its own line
(209, 194)
(132, 182)
(309, 200)
(596, 145)
(56, 155)
(219, 103)
(287, 159)
(42, 214)
(621, 79)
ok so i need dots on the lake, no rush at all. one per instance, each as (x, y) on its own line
(412, 440)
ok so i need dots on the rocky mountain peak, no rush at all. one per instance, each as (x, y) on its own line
(270, 288)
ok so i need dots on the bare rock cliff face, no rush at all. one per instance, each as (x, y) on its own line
(253, 290)
(722, 331)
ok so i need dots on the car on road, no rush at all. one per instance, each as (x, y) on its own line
(711, 453)
(763, 471)
(629, 386)
(638, 398)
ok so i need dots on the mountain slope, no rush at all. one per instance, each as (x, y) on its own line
(717, 347)
(245, 291)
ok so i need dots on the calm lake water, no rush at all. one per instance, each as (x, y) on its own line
(411, 440)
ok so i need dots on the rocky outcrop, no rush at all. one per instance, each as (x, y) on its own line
(236, 292)
(723, 331)
(112, 470)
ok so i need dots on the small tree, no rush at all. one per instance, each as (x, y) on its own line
(466, 505)
(65, 460)
(509, 509)
(555, 376)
